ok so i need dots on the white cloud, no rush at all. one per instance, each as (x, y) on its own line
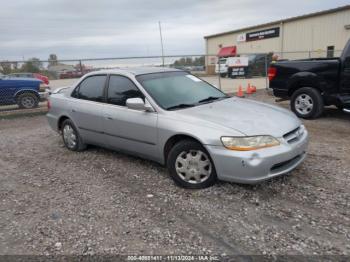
(84, 28)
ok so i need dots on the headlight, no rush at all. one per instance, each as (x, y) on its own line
(246, 143)
(42, 87)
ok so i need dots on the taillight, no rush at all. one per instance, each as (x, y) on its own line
(48, 104)
(272, 72)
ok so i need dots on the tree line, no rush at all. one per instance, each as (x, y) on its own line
(189, 61)
(32, 65)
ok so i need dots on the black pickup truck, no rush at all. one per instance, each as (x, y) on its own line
(312, 84)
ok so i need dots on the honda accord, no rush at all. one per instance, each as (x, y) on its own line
(181, 121)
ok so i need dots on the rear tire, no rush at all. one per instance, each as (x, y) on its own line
(340, 108)
(27, 101)
(190, 165)
(307, 103)
(71, 137)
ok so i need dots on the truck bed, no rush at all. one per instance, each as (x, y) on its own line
(320, 72)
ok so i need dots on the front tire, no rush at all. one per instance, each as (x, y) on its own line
(27, 101)
(71, 138)
(190, 165)
(307, 103)
(223, 75)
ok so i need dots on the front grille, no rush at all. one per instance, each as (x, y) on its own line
(294, 135)
(285, 164)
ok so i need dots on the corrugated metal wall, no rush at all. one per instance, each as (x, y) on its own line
(316, 33)
(304, 37)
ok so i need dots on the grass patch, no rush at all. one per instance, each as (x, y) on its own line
(21, 114)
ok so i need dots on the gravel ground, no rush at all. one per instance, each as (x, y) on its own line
(54, 201)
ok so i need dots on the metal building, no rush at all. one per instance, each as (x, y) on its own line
(321, 34)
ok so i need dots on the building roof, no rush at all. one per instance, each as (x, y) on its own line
(324, 12)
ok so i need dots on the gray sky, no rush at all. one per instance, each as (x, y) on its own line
(101, 28)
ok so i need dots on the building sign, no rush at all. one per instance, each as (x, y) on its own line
(212, 60)
(241, 38)
(263, 34)
(238, 71)
(237, 61)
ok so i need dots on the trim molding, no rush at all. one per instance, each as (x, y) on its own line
(122, 137)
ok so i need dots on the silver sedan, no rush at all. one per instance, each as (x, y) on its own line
(181, 121)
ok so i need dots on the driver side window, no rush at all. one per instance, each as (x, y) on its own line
(120, 89)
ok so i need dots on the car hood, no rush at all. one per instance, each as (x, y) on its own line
(246, 116)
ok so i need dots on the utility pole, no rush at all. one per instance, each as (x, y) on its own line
(161, 42)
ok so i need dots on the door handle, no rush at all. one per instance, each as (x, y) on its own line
(109, 118)
(73, 110)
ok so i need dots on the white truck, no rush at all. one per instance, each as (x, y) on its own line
(231, 65)
(221, 67)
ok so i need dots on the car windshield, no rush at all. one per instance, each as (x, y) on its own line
(175, 90)
(222, 61)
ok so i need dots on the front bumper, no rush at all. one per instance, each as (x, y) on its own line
(221, 71)
(251, 167)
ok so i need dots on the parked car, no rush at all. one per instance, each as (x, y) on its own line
(197, 68)
(26, 92)
(176, 119)
(43, 78)
(70, 74)
(311, 84)
(257, 65)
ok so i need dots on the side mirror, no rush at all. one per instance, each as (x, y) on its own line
(138, 104)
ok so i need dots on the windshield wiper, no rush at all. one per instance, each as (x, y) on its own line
(210, 98)
(180, 106)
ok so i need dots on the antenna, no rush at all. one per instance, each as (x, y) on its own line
(161, 41)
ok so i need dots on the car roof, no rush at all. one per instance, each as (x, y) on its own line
(136, 70)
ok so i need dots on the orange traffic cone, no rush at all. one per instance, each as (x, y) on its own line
(253, 88)
(249, 90)
(240, 92)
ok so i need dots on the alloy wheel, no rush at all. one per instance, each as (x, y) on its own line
(28, 102)
(304, 104)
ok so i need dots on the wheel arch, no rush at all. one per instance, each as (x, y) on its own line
(23, 91)
(303, 79)
(60, 121)
(174, 140)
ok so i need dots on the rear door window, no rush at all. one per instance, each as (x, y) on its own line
(92, 88)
